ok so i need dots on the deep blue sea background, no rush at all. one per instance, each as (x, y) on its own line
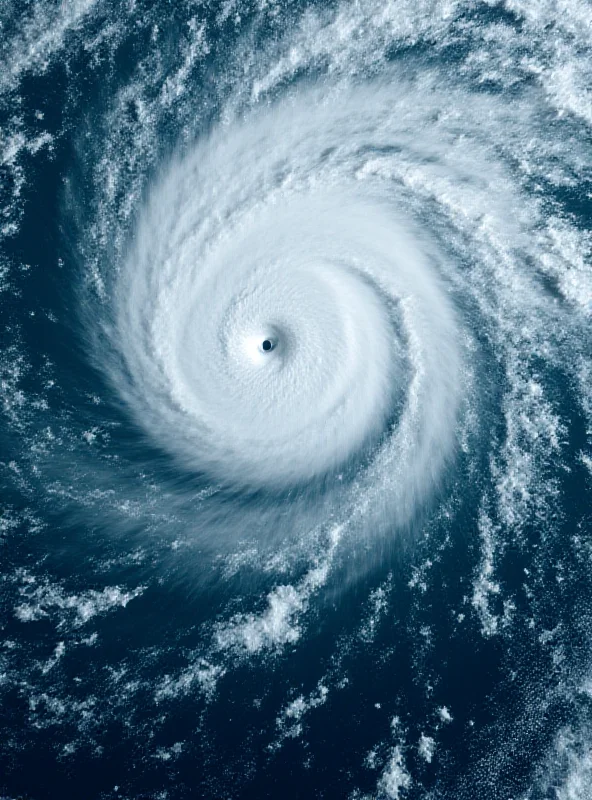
(101, 694)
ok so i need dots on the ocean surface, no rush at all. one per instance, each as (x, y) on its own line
(296, 394)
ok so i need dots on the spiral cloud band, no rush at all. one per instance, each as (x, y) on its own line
(296, 451)
(277, 324)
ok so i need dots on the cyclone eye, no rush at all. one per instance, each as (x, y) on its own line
(267, 345)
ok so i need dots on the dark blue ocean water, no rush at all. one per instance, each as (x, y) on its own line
(164, 633)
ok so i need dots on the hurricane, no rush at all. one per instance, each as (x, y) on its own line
(296, 380)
